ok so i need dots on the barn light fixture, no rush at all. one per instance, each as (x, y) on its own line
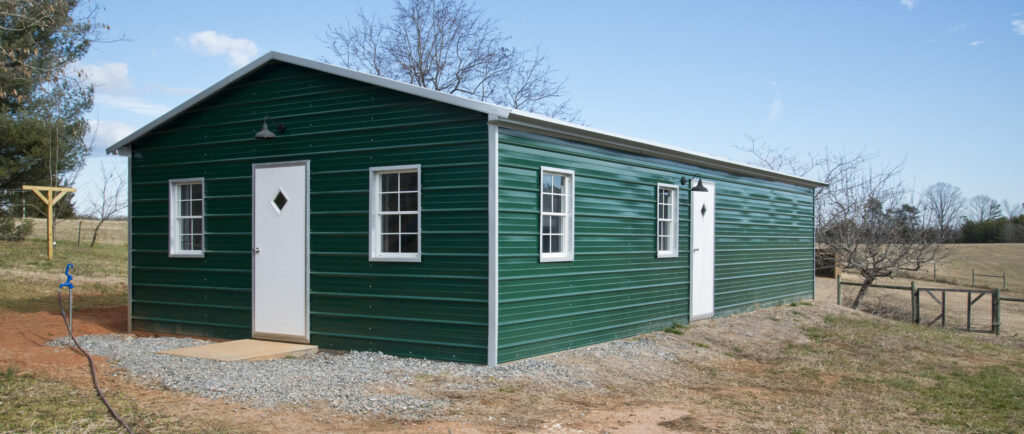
(700, 185)
(265, 133)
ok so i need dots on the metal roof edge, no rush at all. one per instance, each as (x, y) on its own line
(447, 98)
(500, 115)
(526, 121)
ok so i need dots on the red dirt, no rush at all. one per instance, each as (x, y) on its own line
(23, 337)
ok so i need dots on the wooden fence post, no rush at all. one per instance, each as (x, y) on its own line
(995, 312)
(972, 278)
(943, 308)
(839, 290)
(970, 295)
(915, 316)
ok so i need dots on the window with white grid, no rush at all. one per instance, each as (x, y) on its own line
(395, 233)
(668, 221)
(186, 215)
(556, 214)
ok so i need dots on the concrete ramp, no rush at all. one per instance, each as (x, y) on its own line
(244, 350)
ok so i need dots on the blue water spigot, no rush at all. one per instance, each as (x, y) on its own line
(67, 272)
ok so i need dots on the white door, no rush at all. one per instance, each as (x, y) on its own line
(280, 251)
(702, 252)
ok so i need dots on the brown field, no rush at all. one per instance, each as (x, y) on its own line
(111, 232)
(993, 259)
(803, 367)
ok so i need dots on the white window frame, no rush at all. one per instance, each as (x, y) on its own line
(375, 253)
(673, 219)
(174, 213)
(569, 252)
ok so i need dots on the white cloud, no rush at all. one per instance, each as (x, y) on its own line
(977, 43)
(956, 28)
(108, 78)
(133, 104)
(776, 109)
(180, 90)
(1018, 26)
(107, 132)
(909, 3)
(239, 51)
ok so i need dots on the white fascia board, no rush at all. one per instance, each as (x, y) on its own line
(442, 97)
(527, 121)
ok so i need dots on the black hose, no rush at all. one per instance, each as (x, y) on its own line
(92, 367)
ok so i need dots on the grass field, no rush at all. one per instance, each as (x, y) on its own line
(797, 368)
(67, 231)
(992, 259)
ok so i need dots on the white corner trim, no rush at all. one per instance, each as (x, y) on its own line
(492, 244)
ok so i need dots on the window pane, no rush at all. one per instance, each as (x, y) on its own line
(410, 223)
(197, 207)
(556, 243)
(197, 242)
(186, 242)
(185, 208)
(409, 243)
(556, 225)
(557, 202)
(197, 191)
(409, 202)
(556, 183)
(664, 228)
(184, 192)
(545, 202)
(545, 224)
(389, 224)
(408, 181)
(389, 202)
(390, 244)
(545, 244)
(197, 226)
(663, 243)
(389, 182)
(546, 184)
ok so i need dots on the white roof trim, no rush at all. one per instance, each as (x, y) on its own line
(502, 116)
(447, 98)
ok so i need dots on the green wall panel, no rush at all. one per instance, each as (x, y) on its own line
(616, 287)
(436, 308)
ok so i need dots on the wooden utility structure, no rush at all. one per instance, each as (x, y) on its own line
(49, 199)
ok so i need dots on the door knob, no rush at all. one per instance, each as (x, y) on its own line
(255, 249)
(696, 249)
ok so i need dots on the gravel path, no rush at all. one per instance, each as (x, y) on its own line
(357, 382)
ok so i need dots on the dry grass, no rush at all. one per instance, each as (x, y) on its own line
(28, 281)
(67, 231)
(993, 259)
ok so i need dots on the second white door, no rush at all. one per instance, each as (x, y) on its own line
(702, 252)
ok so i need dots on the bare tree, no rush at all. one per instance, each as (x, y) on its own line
(449, 46)
(943, 205)
(111, 200)
(866, 215)
(984, 208)
(1012, 210)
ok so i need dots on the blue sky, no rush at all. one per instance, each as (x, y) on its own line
(936, 84)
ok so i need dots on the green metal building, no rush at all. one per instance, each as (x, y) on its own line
(299, 201)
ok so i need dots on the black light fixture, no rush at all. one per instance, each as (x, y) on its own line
(700, 185)
(265, 133)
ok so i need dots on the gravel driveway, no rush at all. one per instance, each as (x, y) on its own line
(357, 382)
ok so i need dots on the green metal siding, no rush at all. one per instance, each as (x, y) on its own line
(436, 308)
(616, 287)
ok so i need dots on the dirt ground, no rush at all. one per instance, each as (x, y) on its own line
(770, 370)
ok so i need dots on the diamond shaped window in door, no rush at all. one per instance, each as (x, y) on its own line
(703, 210)
(280, 200)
